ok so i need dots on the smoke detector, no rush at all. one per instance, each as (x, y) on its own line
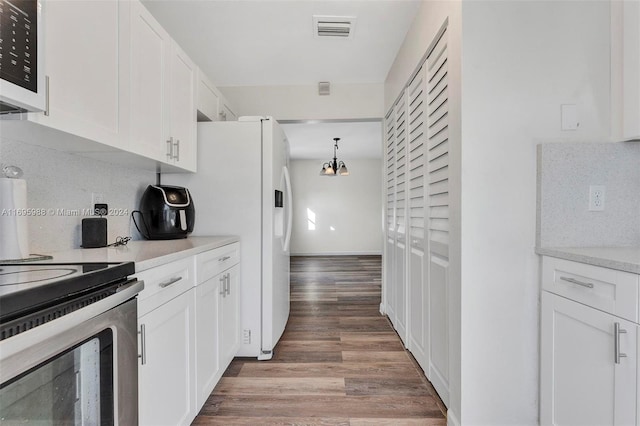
(334, 26)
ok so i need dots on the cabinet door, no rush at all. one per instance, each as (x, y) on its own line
(208, 371)
(150, 68)
(83, 66)
(230, 317)
(226, 113)
(183, 109)
(580, 381)
(631, 70)
(166, 373)
(208, 99)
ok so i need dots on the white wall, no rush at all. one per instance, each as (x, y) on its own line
(336, 215)
(520, 62)
(351, 101)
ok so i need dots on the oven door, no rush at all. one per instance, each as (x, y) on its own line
(80, 369)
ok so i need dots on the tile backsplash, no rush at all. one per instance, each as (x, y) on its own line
(565, 172)
(62, 183)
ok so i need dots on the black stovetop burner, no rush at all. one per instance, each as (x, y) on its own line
(35, 287)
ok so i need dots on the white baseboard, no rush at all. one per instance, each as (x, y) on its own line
(452, 419)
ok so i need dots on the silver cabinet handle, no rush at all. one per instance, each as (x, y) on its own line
(228, 278)
(223, 284)
(617, 331)
(222, 259)
(46, 95)
(574, 281)
(143, 345)
(170, 148)
(170, 281)
(177, 145)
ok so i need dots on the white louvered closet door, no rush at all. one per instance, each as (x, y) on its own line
(418, 324)
(390, 218)
(400, 321)
(438, 215)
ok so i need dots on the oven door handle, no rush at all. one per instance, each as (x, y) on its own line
(143, 344)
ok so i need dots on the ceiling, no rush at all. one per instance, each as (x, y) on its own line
(314, 141)
(272, 42)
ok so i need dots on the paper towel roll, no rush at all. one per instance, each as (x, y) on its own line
(14, 227)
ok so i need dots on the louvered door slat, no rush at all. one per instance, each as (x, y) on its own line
(438, 142)
(401, 165)
(439, 151)
(390, 170)
(417, 129)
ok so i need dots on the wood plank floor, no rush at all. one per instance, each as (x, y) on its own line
(339, 362)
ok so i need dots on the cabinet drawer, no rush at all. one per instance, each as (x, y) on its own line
(212, 262)
(164, 283)
(611, 291)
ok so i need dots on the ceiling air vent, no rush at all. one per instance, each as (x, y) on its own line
(334, 26)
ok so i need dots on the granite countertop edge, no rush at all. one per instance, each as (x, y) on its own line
(625, 259)
(144, 253)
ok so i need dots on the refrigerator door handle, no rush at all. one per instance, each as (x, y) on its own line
(287, 181)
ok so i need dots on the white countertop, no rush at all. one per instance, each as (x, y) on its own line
(621, 258)
(145, 254)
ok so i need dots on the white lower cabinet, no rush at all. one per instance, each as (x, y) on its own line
(217, 316)
(208, 296)
(189, 331)
(588, 365)
(166, 326)
(230, 316)
(166, 373)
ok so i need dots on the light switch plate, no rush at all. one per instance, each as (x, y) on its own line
(569, 116)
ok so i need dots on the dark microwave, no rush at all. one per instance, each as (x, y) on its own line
(22, 82)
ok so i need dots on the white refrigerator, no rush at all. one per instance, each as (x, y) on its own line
(242, 187)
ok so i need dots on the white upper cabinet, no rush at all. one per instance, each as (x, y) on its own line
(212, 105)
(162, 88)
(150, 50)
(625, 70)
(182, 107)
(631, 70)
(226, 112)
(84, 69)
(120, 84)
(208, 98)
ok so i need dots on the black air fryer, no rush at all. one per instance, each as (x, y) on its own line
(167, 213)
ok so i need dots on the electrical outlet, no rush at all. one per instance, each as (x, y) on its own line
(96, 198)
(246, 336)
(596, 198)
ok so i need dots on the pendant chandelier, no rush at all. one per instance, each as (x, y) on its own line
(332, 168)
